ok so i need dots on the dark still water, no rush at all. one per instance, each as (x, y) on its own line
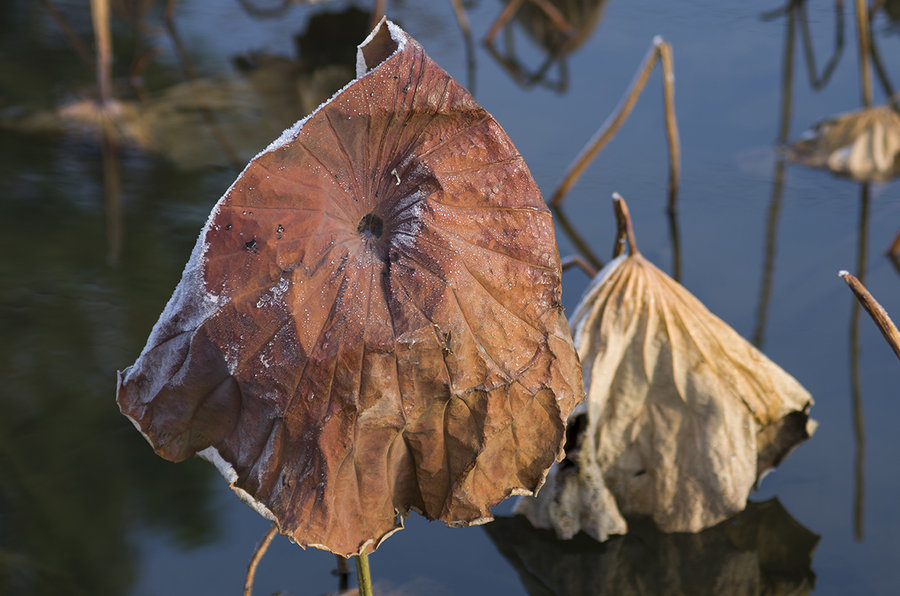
(94, 239)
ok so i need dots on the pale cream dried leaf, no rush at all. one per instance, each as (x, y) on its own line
(683, 415)
(864, 145)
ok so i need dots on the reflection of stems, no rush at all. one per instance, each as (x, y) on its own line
(363, 577)
(893, 98)
(257, 556)
(660, 51)
(550, 11)
(111, 186)
(100, 17)
(882, 75)
(505, 15)
(894, 250)
(343, 573)
(875, 310)
(895, 261)
(784, 125)
(578, 261)
(463, 21)
(582, 246)
(765, 288)
(377, 13)
(862, 32)
(208, 115)
(274, 11)
(521, 75)
(69, 32)
(856, 391)
(814, 80)
(555, 17)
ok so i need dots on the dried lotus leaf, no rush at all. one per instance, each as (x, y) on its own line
(864, 145)
(683, 415)
(370, 321)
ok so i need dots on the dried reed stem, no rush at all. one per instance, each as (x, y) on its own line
(257, 556)
(625, 232)
(875, 310)
(660, 50)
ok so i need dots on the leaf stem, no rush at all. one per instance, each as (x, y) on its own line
(625, 233)
(257, 556)
(363, 577)
(875, 310)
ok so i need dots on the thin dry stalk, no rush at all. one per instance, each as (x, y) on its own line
(556, 17)
(894, 250)
(377, 12)
(581, 262)
(83, 52)
(580, 244)
(621, 113)
(508, 11)
(875, 310)
(625, 231)
(668, 68)
(257, 556)
(862, 32)
(818, 82)
(463, 21)
(103, 38)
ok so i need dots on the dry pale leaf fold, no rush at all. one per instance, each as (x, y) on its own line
(864, 145)
(683, 415)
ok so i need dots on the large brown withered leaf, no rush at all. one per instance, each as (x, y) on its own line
(683, 415)
(864, 145)
(370, 320)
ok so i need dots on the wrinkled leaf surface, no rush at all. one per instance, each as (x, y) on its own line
(683, 415)
(370, 321)
(864, 145)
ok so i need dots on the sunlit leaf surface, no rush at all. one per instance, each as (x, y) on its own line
(683, 415)
(370, 320)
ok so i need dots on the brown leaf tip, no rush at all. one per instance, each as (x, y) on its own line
(385, 40)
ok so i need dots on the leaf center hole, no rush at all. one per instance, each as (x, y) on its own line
(370, 226)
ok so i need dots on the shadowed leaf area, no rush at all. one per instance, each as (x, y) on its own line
(762, 550)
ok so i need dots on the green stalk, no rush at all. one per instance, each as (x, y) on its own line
(363, 578)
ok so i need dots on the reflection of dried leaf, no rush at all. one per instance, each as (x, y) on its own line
(864, 145)
(247, 110)
(763, 550)
(583, 16)
(683, 415)
(370, 321)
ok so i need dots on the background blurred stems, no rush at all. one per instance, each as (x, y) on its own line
(103, 38)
